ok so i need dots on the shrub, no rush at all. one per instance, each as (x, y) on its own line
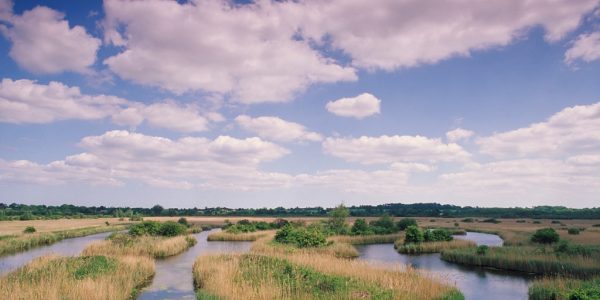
(413, 235)
(136, 218)
(468, 220)
(29, 229)
(404, 223)
(337, 219)
(278, 223)
(537, 222)
(360, 227)
(545, 236)
(107, 224)
(573, 230)
(183, 221)
(456, 224)
(383, 225)
(301, 237)
(491, 220)
(482, 250)
(437, 235)
(262, 225)
(171, 228)
(555, 222)
(521, 221)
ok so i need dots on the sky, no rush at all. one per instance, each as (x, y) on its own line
(207, 103)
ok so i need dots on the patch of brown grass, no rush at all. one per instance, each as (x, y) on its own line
(238, 237)
(432, 247)
(157, 247)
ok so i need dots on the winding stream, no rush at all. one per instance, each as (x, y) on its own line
(66, 247)
(173, 278)
(473, 282)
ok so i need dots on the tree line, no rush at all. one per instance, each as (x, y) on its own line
(16, 211)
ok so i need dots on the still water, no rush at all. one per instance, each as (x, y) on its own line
(66, 247)
(173, 278)
(474, 283)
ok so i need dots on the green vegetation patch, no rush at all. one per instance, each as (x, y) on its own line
(168, 228)
(305, 281)
(92, 266)
(567, 289)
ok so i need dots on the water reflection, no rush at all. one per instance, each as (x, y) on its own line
(474, 283)
(173, 278)
(66, 247)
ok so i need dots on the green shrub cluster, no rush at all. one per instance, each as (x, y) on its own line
(545, 236)
(29, 229)
(491, 220)
(251, 226)
(437, 235)
(301, 237)
(573, 230)
(168, 228)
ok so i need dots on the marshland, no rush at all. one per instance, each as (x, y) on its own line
(334, 256)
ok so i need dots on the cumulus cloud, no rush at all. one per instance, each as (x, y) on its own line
(390, 149)
(359, 107)
(574, 130)
(585, 48)
(277, 129)
(118, 156)
(390, 34)
(43, 42)
(459, 134)
(26, 101)
(253, 56)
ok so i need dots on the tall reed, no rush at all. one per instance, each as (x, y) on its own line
(237, 237)
(432, 247)
(157, 247)
(367, 239)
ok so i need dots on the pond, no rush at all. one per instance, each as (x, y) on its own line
(66, 247)
(473, 282)
(173, 278)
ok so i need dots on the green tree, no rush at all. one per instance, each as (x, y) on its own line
(337, 219)
(414, 235)
(545, 236)
(157, 210)
(360, 227)
(404, 223)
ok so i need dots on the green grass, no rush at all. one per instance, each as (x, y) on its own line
(14, 244)
(565, 289)
(538, 260)
(92, 266)
(431, 247)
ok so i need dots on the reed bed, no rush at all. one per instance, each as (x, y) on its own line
(238, 237)
(404, 281)
(538, 260)
(95, 277)
(339, 250)
(157, 247)
(367, 239)
(14, 244)
(257, 276)
(432, 247)
(560, 288)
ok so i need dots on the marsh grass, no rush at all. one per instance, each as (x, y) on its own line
(157, 247)
(564, 289)
(432, 247)
(238, 237)
(538, 260)
(14, 244)
(83, 277)
(367, 239)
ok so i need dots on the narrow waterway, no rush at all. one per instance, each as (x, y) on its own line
(173, 278)
(473, 282)
(66, 247)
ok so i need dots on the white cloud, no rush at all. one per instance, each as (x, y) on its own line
(389, 149)
(277, 129)
(359, 107)
(253, 56)
(574, 130)
(43, 42)
(459, 134)
(119, 156)
(586, 48)
(26, 101)
(390, 34)
(5, 10)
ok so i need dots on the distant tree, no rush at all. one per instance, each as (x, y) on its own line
(157, 210)
(337, 219)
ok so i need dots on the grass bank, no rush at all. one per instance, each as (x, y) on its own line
(84, 277)
(237, 237)
(564, 289)
(14, 244)
(538, 260)
(153, 246)
(256, 276)
(367, 239)
(432, 247)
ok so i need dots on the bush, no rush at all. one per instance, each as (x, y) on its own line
(573, 230)
(337, 219)
(555, 222)
(468, 220)
(491, 220)
(107, 224)
(521, 221)
(383, 225)
(360, 227)
(29, 229)
(545, 236)
(537, 222)
(300, 237)
(171, 228)
(437, 235)
(168, 228)
(183, 221)
(404, 223)
(278, 223)
(414, 235)
(482, 250)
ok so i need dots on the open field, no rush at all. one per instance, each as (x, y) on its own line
(17, 227)
(91, 277)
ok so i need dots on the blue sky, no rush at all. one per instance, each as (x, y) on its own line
(214, 103)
